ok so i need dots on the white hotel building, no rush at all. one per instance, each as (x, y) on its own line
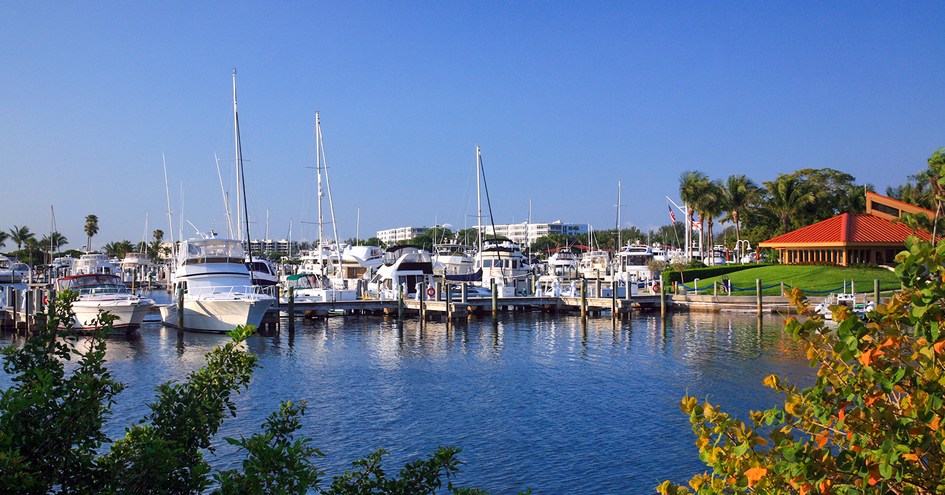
(521, 233)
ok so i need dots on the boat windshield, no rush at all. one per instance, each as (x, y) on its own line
(85, 282)
(215, 251)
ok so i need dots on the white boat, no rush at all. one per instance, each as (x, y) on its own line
(309, 288)
(632, 263)
(212, 287)
(101, 292)
(859, 306)
(405, 267)
(137, 269)
(594, 265)
(264, 272)
(90, 263)
(217, 293)
(718, 256)
(452, 259)
(503, 263)
(13, 271)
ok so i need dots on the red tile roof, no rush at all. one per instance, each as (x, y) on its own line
(848, 228)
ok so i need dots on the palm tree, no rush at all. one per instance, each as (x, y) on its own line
(738, 193)
(713, 206)
(788, 196)
(692, 188)
(91, 228)
(3, 238)
(53, 241)
(20, 235)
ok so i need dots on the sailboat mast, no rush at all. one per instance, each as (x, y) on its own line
(239, 160)
(478, 198)
(318, 172)
(240, 180)
(619, 240)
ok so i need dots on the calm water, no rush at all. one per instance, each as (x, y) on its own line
(533, 400)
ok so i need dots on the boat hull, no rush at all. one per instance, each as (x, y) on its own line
(129, 313)
(217, 315)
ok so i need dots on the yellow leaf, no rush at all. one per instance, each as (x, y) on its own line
(754, 474)
(911, 457)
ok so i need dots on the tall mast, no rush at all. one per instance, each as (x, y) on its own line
(170, 219)
(318, 172)
(619, 240)
(478, 198)
(239, 160)
(240, 181)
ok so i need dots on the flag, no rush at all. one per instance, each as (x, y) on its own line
(671, 215)
(696, 225)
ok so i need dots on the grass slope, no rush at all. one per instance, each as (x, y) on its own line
(813, 280)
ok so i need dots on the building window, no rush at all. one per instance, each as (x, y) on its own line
(889, 210)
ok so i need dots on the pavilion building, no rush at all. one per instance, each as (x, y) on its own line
(872, 238)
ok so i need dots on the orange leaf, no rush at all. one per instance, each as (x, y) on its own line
(911, 457)
(867, 357)
(754, 474)
(822, 438)
(938, 346)
(934, 424)
(874, 476)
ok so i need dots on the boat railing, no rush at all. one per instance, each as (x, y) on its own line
(228, 290)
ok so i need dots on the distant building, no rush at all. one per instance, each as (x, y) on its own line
(526, 233)
(282, 246)
(392, 236)
(522, 233)
(850, 238)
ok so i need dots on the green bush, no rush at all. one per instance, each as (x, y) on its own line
(51, 438)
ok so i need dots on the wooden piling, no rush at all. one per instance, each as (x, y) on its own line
(876, 291)
(758, 295)
(291, 309)
(180, 307)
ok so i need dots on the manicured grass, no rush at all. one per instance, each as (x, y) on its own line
(816, 281)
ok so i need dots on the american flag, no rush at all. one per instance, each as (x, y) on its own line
(671, 215)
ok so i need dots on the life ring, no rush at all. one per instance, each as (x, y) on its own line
(45, 299)
(656, 287)
(431, 291)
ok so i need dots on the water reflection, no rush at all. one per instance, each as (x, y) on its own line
(562, 404)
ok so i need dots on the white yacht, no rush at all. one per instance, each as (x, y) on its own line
(502, 262)
(217, 292)
(308, 287)
(452, 259)
(13, 271)
(594, 265)
(137, 269)
(264, 272)
(632, 263)
(404, 268)
(101, 292)
(90, 263)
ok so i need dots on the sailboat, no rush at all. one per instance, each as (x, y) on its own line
(216, 290)
(326, 282)
(499, 261)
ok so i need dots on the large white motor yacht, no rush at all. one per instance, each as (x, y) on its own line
(217, 291)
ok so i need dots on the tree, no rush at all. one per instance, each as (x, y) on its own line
(91, 228)
(119, 249)
(19, 235)
(787, 196)
(738, 193)
(692, 188)
(870, 423)
(3, 238)
(52, 415)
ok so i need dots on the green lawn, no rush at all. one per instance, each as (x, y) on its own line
(816, 281)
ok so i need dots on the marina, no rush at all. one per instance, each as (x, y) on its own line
(551, 402)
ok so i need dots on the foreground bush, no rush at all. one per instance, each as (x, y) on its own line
(51, 438)
(872, 421)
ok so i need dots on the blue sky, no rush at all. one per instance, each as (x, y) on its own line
(564, 98)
